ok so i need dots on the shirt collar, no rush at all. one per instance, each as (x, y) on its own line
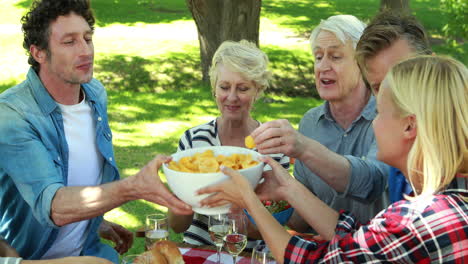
(368, 112)
(44, 100)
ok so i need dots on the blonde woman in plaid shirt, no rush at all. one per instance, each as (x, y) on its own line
(421, 129)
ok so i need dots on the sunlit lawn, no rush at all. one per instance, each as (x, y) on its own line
(147, 57)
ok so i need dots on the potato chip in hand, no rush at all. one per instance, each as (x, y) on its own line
(249, 142)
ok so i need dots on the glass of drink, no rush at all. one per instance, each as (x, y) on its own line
(156, 229)
(218, 226)
(236, 240)
(261, 254)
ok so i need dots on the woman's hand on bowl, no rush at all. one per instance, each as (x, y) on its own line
(276, 182)
(235, 190)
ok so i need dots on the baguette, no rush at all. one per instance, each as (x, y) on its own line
(170, 251)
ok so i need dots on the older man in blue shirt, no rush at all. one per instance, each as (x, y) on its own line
(58, 171)
(335, 147)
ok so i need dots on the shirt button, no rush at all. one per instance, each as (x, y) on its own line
(58, 158)
(110, 158)
(108, 134)
(345, 135)
(99, 118)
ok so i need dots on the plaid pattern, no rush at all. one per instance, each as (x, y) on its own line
(426, 230)
(206, 256)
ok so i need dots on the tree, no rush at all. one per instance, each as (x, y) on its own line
(457, 14)
(400, 5)
(220, 20)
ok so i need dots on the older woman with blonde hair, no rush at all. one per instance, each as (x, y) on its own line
(421, 129)
(239, 74)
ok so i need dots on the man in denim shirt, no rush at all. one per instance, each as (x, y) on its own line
(58, 172)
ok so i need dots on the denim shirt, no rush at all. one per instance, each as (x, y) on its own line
(34, 165)
(366, 193)
(397, 185)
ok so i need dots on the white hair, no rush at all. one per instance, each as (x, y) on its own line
(344, 27)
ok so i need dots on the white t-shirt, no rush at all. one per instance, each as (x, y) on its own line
(84, 169)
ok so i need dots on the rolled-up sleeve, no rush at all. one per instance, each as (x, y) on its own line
(34, 169)
(368, 179)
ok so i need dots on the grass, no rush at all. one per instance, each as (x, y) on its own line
(147, 56)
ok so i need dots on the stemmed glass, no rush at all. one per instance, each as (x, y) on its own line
(236, 240)
(261, 254)
(218, 226)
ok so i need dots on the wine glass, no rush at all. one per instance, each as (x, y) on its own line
(156, 229)
(218, 226)
(261, 254)
(236, 240)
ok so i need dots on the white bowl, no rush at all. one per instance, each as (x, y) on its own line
(185, 184)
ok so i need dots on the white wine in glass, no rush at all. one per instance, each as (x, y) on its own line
(218, 226)
(217, 233)
(153, 236)
(235, 243)
(156, 229)
(236, 240)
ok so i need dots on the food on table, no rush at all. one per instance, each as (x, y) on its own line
(150, 257)
(163, 252)
(170, 251)
(276, 207)
(207, 162)
(249, 142)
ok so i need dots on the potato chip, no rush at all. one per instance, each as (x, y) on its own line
(249, 142)
(208, 165)
(207, 162)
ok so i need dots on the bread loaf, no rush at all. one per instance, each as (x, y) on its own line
(151, 257)
(170, 251)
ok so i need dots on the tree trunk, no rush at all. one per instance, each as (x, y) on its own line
(398, 5)
(220, 20)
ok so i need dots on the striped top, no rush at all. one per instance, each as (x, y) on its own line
(206, 135)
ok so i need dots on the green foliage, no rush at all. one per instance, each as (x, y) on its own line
(292, 70)
(133, 12)
(122, 72)
(456, 12)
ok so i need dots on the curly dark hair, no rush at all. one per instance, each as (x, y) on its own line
(36, 23)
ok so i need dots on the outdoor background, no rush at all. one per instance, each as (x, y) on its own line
(148, 59)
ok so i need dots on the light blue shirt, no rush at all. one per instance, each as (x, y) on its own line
(365, 194)
(34, 165)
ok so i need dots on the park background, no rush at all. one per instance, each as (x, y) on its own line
(147, 56)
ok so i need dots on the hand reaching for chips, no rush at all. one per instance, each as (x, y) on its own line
(207, 162)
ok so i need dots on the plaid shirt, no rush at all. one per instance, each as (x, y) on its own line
(425, 230)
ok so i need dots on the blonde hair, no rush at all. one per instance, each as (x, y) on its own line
(344, 27)
(435, 90)
(245, 58)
